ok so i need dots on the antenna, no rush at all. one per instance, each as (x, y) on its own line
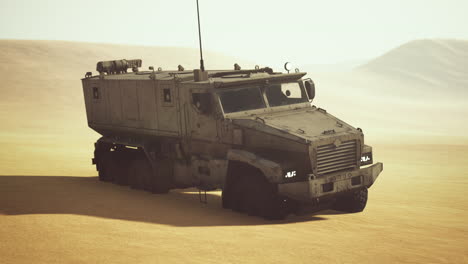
(202, 66)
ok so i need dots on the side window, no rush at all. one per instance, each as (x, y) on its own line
(167, 95)
(96, 93)
(202, 102)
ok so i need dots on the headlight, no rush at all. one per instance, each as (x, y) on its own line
(290, 174)
(366, 158)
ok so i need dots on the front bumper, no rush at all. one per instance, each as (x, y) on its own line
(314, 188)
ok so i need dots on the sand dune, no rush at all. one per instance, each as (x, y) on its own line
(413, 94)
(416, 214)
(434, 63)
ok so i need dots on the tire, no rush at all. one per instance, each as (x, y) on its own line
(248, 191)
(145, 177)
(266, 201)
(249, 197)
(236, 196)
(104, 164)
(103, 160)
(118, 167)
(140, 171)
(352, 203)
(226, 198)
(226, 194)
(161, 178)
(233, 191)
(122, 161)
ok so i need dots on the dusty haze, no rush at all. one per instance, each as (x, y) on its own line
(410, 102)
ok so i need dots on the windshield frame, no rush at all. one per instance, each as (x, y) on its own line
(268, 108)
(258, 90)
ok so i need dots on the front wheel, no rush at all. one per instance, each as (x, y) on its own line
(250, 192)
(352, 203)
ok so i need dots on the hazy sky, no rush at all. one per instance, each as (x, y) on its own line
(301, 31)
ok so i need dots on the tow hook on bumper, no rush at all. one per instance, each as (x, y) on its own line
(309, 191)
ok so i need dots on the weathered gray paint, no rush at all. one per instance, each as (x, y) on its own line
(132, 111)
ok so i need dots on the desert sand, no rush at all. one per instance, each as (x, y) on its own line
(53, 209)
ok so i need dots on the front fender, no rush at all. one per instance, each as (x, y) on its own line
(270, 169)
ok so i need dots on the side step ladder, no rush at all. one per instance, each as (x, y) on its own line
(202, 197)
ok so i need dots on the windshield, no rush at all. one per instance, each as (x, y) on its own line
(251, 98)
(242, 100)
(285, 94)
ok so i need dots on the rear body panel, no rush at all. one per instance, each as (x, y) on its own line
(116, 106)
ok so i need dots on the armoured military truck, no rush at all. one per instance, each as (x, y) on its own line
(253, 133)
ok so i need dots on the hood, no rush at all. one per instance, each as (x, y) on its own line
(307, 124)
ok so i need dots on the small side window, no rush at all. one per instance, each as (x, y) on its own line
(167, 95)
(202, 101)
(96, 93)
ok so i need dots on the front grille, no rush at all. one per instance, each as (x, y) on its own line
(331, 158)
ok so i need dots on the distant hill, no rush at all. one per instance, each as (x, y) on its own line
(435, 62)
(414, 93)
(335, 67)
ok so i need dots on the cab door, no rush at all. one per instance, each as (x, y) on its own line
(203, 124)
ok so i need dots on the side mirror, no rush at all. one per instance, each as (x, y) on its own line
(310, 88)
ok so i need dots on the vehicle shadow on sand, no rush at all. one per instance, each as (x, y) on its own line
(88, 196)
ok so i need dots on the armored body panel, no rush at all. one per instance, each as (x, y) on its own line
(126, 103)
(252, 133)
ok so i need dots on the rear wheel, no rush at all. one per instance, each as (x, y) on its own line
(121, 166)
(140, 173)
(103, 164)
(161, 180)
(103, 160)
(131, 166)
(352, 203)
(115, 167)
(148, 177)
